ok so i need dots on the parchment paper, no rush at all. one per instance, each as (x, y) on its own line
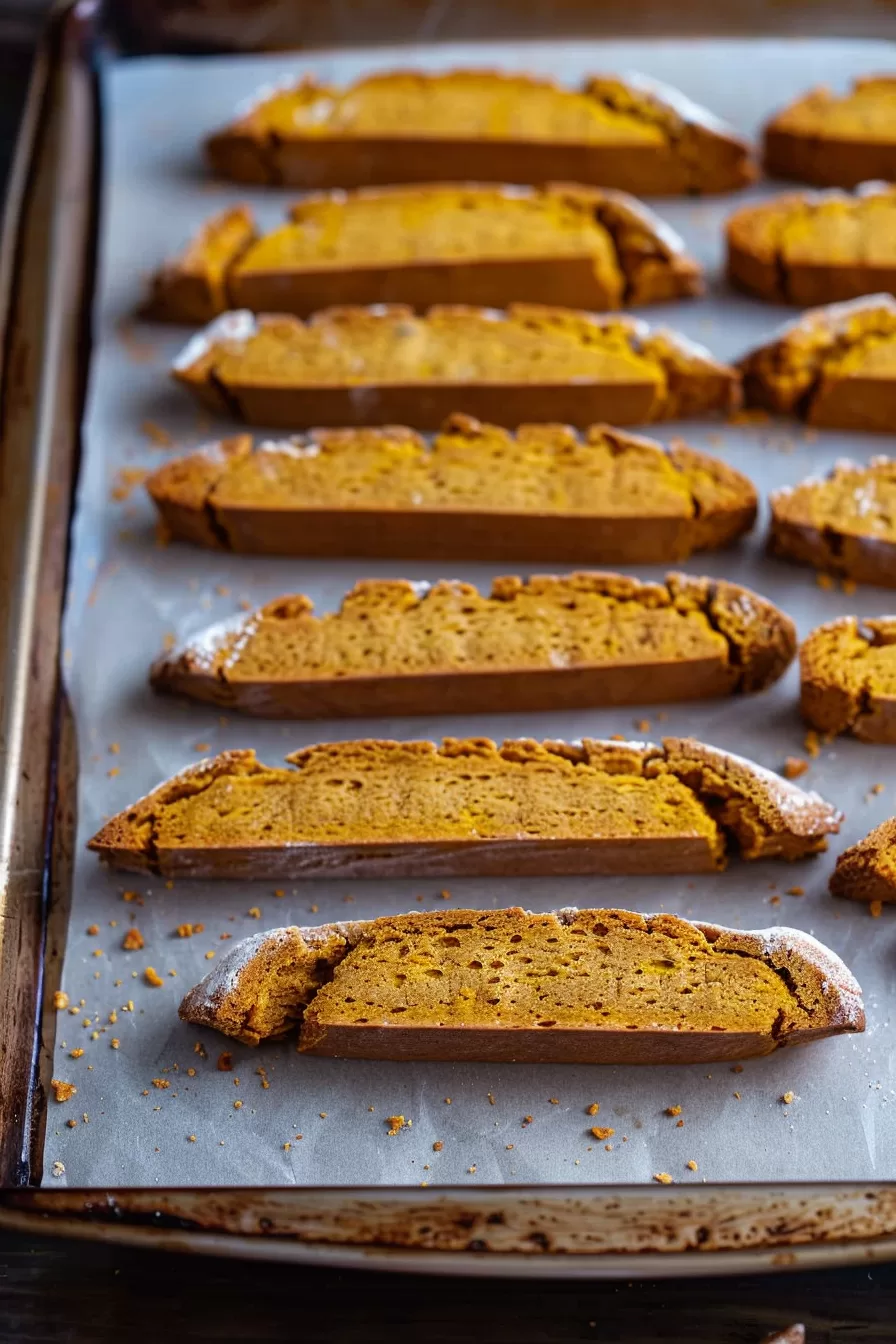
(503, 1123)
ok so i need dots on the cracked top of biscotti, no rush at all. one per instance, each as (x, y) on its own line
(819, 348)
(848, 676)
(865, 112)
(470, 789)
(628, 110)
(512, 969)
(853, 499)
(388, 345)
(394, 627)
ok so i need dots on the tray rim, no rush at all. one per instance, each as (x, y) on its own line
(698, 1230)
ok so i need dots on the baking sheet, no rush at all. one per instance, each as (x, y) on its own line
(496, 1123)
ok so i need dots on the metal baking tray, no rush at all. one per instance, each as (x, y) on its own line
(48, 287)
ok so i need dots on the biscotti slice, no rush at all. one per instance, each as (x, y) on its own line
(571, 987)
(836, 140)
(415, 809)
(848, 678)
(816, 247)
(477, 493)
(867, 870)
(368, 366)
(835, 366)
(625, 131)
(543, 643)
(193, 287)
(458, 243)
(843, 523)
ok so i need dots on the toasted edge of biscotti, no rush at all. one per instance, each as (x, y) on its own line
(867, 870)
(794, 535)
(757, 813)
(811, 154)
(835, 696)
(183, 489)
(245, 151)
(288, 965)
(196, 286)
(760, 639)
(794, 372)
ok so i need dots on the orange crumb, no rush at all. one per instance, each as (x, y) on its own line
(824, 581)
(445, 895)
(395, 1123)
(209, 956)
(876, 909)
(191, 1138)
(222, 590)
(161, 1083)
(662, 1177)
(508, 1146)
(642, 725)
(737, 1068)
(736, 1096)
(438, 1146)
(202, 746)
(97, 952)
(133, 940)
(63, 1091)
(787, 1098)
(132, 896)
(527, 1120)
(237, 1105)
(93, 929)
(115, 1043)
(60, 1000)
(673, 1110)
(602, 1131)
(849, 586)
(114, 748)
(794, 766)
(877, 788)
(225, 1062)
(692, 1165)
(76, 1053)
(593, 1108)
(113, 773)
(156, 434)
(125, 481)
(796, 891)
(152, 977)
(774, 900)
(811, 743)
(313, 909)
(187, 930)
(253, 912)
(279, 893)
(191, 1073)
(553, 1101)
(225, 936)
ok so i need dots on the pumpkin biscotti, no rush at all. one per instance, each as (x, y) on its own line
(459, 243)
(467, 807)
(867, 870)
(843, 523)
(818, 247)
(835, 366)
(848, 678)
(627, 131)
(397, 648)
(573, 986)
(385, 365)
(836, 140)
(477, 492)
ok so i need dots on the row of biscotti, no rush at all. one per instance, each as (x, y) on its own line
(834, 366)
(544, 493)
(494, 245)
(625, 131)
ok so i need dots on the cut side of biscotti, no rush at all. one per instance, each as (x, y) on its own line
(424, 245)
(543, 643)
(835, 366)
(627, 131)
(836, 139)
(573, 986)
(843, 523)
(415, 809)
(867, 870)
(848, 678)
(816, 247)
(476, 493)
(386, 365)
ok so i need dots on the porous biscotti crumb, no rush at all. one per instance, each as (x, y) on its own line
(602, 1132)
(593, 1108)
(60, 1000)
(133, 940)
(438, 1146)
(63, 1091)
(395, 1123)
(787, 1098)
(672, 1110)
(161, 1083)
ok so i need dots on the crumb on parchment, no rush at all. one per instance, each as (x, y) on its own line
(161, 1083)
(438, 1146)
(152, 977)
(593, 1108)
(187, 930)
(692, 1165)
(58, 1169)
(63, 1091)
(602, 1131)
(662, 1178)
(225, 1062)
(60, 1000)
(787, 1098)
(876, 909)
(794, 766)
(395, 1124)
(133, 940)
(672, 1110)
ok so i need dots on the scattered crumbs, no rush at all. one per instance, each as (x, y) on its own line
(877, 788)
(76, 1053)
(679, 1124)
(152, 977)
(796, 891)
(794, 766)
(263, 1075)
(191, 1072)
(97, 952)
(133, 940)
(254, 912)
(602, 1131)
(527, 1120)
(692, 1165)
(438, 1146)
(849, 586)
(225, 1062)
(209, 956)
(787, 1098)
(876, 909)
(323, 1115)
(736, 1096)
(471, 1171)
(200, 1050)
(445, 895)
(491, 1098)
(508, 1146)
(156, 434)
(824, 581)
(225, 936)
(593, 1108)
(191, 1138)
(313, 909)
(672, 1110)
(642, 725)
(662, 1177)
(552, 1101)
(125, 481)
(72, 1123)
(60, 1000)
(63, 1091)
(395, 1123)
(187, 930)
(279, 893)
(774, 900)
(161, 1083)
(811, 743)
(58, 1169)
(447, 1101)
(287, 1146)
(202, 746)
(132, 896)
(737, 1068)
(237, 1105)
(93, 929)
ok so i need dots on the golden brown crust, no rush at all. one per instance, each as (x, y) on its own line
(811, 248)
(478, 493)
(374, 808)
(867, 870)
(425, 245)
(834, 366)
(367, 366)
(848, 678)
(462, 992)
(633, 133)
(835, 140)
(842, 523)
(547, 642)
